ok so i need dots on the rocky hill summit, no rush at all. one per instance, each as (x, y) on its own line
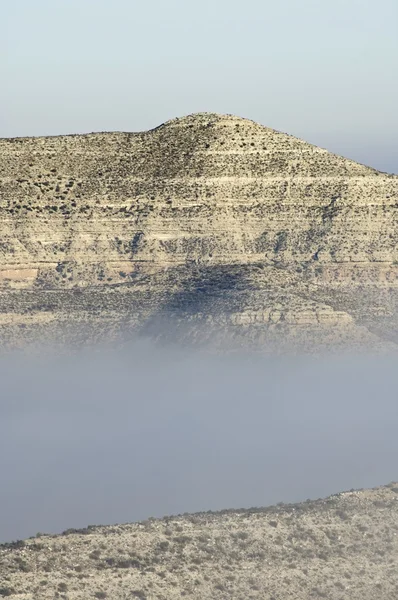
(344, 546)
(209, 228)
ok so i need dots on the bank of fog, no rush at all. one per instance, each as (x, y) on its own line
(114, 437)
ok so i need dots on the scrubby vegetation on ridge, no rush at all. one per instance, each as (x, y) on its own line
(342, 546)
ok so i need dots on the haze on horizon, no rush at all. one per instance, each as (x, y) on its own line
(323, 72)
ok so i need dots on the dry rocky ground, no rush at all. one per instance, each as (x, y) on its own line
(232, 232)
(338, 548)
(215, 230)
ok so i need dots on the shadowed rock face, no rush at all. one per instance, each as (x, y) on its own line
(345, 546)
(235, 232)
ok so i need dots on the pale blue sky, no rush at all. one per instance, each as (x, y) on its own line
(324, 70)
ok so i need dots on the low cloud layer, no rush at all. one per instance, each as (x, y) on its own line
(116, 437)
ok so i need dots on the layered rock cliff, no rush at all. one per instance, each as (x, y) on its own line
(231, 231)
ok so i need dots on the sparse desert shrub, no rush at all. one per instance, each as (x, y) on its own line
(339, 585)
(182, 539)
(194, 519)
(257, 555)
(343, 515)
(22, 565)
(318, 593)
(5, 591)
(126, 563)
(273, 523)
(140, 594)
(240, 535)
(37, 546)
(13, 545)
(100, 595)
(162, 546)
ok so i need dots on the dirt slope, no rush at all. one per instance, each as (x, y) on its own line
(345, 546)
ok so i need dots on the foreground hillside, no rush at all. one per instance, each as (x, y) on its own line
(345, 546)
(207, 227)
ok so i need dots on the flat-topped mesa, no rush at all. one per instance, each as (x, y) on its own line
(204, 187)
(207, 190)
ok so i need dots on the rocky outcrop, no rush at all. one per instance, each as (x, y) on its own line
(236, 232)
(344, 546)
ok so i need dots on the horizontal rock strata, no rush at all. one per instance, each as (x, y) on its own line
(233, 230)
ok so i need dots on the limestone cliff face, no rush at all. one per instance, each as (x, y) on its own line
(211, 219)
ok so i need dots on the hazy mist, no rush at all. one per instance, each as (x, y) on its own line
(115, 437)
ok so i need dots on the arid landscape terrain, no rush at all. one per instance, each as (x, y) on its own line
(215, 232)
(345, 546)
(207, 229)
(199, 300)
